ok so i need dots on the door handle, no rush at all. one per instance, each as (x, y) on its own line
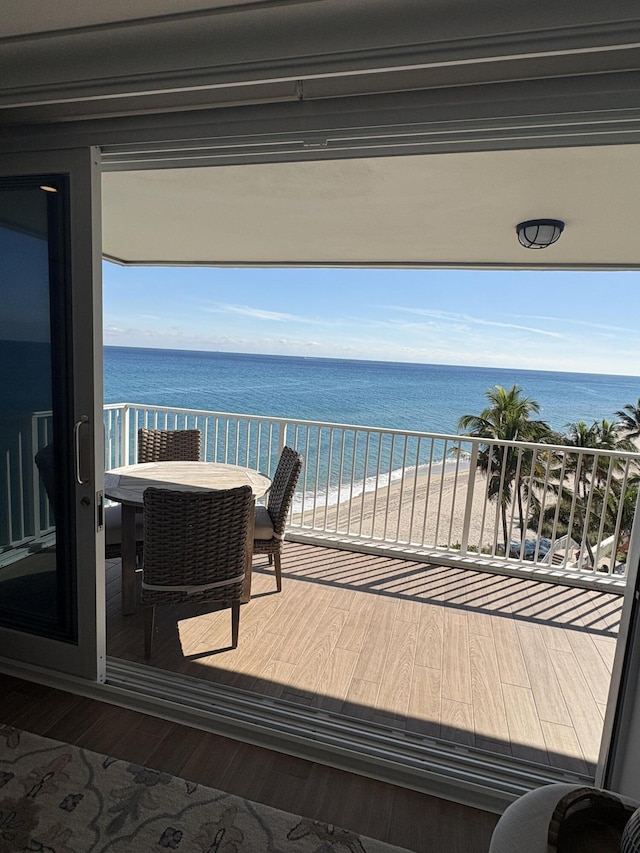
(78, 447)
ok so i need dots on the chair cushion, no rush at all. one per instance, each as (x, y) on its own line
(113, 525)
(263, 527)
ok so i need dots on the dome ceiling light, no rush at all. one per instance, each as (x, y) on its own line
(539, 233)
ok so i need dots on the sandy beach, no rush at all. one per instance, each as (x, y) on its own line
(419, 508)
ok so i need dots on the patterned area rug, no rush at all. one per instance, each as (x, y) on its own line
(56, 798)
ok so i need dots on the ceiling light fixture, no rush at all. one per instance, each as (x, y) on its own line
(539, 233)
(48, 189)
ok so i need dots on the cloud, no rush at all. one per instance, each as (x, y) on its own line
(256, 313)
(577, 322)
(450, 317)
(280, 316)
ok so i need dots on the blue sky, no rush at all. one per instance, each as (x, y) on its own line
(573, 321)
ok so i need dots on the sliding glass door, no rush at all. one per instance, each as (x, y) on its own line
(50, 413)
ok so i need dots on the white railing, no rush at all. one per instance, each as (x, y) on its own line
(561, 510)
(25, 512)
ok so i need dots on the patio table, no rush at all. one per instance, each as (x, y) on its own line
(126, 486)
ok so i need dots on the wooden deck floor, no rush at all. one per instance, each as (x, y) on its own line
(516, 666)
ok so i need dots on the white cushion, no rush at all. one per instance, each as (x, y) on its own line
(262, 526)
(113, 525)
(524, 826)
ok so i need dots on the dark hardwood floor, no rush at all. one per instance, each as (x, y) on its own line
(407, 818)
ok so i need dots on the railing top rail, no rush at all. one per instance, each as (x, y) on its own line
(588, 451)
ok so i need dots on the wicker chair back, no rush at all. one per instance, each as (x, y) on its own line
(168, 445)
(195, 545)
(283, 487)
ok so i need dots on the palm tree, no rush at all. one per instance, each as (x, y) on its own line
(602, 435)
(595, 475)
(630, 419)
(508, 418)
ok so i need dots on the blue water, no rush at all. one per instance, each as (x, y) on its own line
(424, 397)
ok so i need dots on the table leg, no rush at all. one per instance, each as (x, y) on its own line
(246, 592)
(128, 559)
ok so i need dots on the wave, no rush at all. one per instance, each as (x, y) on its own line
(312, 498)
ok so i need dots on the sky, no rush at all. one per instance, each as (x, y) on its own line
(567, 321)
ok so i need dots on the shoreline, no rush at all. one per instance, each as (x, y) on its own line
(416, 507)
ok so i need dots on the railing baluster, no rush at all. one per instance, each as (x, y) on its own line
(428, 493)
(436, 534)
(454, 492)
(376, 491)
(416, 474)
(468, 506)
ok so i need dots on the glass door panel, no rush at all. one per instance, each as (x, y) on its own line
(50, 423)
(37, 581)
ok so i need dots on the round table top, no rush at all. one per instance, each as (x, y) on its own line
(126, 485)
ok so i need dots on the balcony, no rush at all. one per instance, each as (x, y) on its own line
(401, 606)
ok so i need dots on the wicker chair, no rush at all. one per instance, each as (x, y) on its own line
(270, 520)
(154, 445)
(112, 514)
(196, 549)
(168, 445)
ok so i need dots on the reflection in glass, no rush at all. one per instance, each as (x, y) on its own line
(35, 583)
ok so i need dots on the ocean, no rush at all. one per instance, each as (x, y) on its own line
(424, 397)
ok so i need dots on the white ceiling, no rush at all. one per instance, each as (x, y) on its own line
(437, 209)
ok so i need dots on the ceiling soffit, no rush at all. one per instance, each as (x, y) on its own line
(329, 49)
(440, 210)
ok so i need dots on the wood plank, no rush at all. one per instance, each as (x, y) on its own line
(248, 668)
(442, 826)
(309, 671)
(584, 713)
(430, 637)
(336, 680)
(366, 803)
(477, 602)
(409, 610)
(274, 677)
(395, 684)
(301, 627)
(511, 664)
(352, 636)
(525, 732)
(591, 664)
(555, 637)
(373, 656)
(456, 667)
(425, 701)
(542, 676)
(456, 722)
(563, 748)
(489, 717)
(360, 700)
(606, 647)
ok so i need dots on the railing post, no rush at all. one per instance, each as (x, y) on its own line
(124, 436)
(468, 507)
(633, 549)
(35, 475)
(282, 437)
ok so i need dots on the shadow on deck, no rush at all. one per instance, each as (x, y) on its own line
(511, 665)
